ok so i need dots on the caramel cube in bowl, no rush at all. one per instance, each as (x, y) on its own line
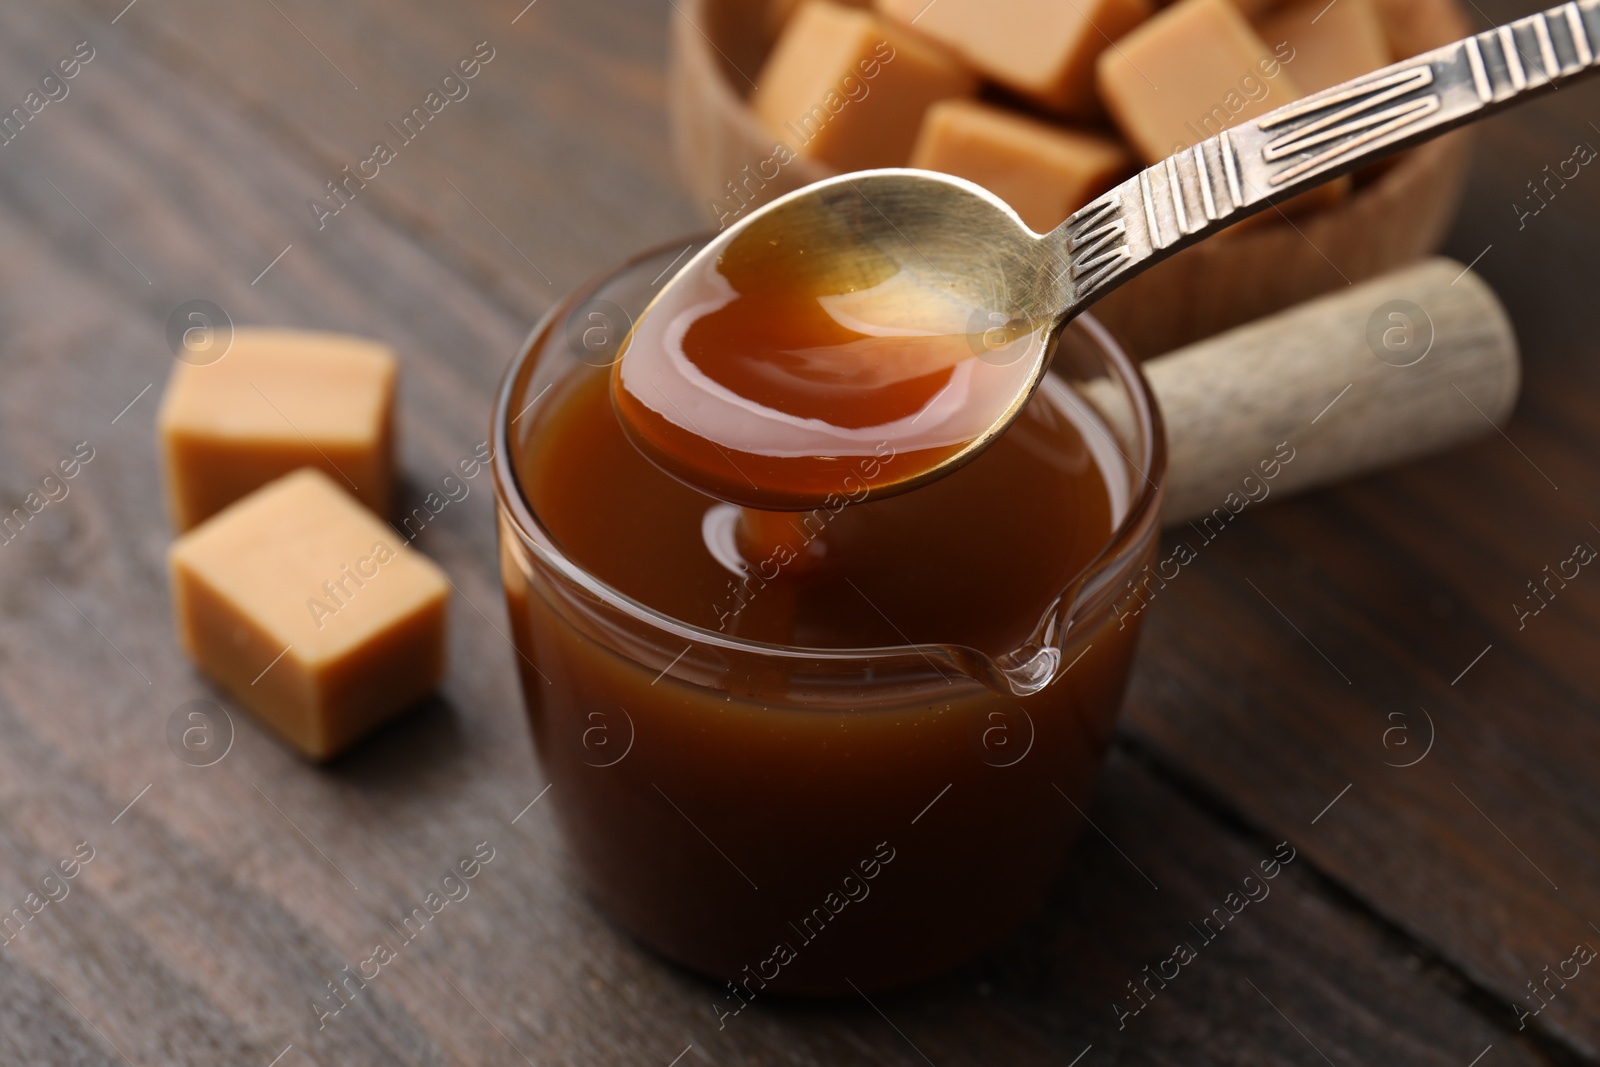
(848, 88)
(1041, 49)
(1330, 44)
(1191, 72)
(1043, 171)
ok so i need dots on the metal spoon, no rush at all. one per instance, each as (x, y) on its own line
(962, 242)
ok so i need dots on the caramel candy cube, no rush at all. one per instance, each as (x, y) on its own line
(845, 87)
(779, 12)
(1191, 72)
(1256, 8)
(1042, 49)
(278, 400)
(1044, 172)
(1330, 44)
(309, 611)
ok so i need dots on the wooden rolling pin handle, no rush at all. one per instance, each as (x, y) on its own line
(1311, 379)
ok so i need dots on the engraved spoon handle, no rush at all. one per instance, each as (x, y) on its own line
(1193, 194)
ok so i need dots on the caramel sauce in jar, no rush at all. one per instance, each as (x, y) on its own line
(838, 745)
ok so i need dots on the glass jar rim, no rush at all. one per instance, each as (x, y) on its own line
(512, 500)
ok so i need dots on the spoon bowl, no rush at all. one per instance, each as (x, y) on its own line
(920, 303)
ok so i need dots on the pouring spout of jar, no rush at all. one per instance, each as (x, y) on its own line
(1027, 671)
(1043, 657)
(1092, 609)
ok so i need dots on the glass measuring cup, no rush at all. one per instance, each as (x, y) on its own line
(806, 820)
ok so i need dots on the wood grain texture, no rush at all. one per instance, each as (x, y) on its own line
(1402, 581)
(219, 904)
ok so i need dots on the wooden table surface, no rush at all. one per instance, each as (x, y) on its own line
(220, 900)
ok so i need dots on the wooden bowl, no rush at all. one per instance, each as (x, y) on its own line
(1399, 211)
